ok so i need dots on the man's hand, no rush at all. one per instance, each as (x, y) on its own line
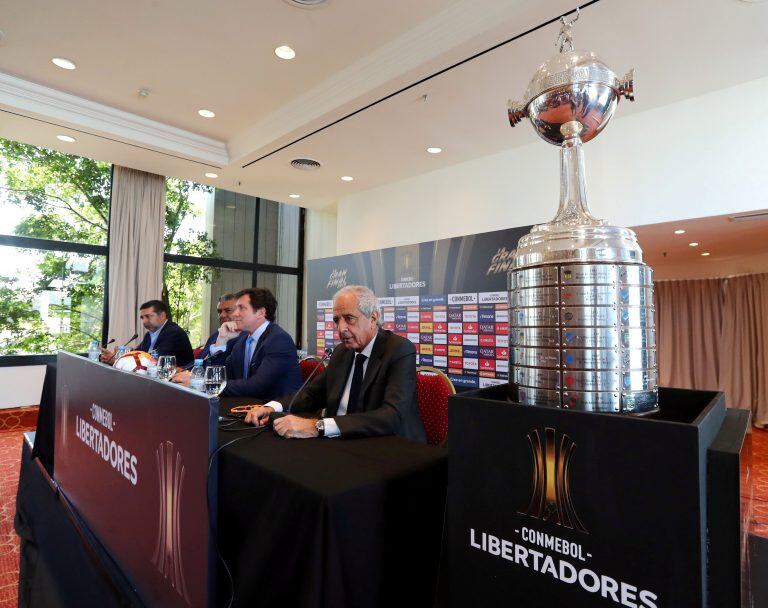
(108, 356)
(182, 377)
(259, 415)
(227, 331)
(294, 427)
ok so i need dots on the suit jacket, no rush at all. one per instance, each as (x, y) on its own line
(172, 340)
(387, 401)
(273, 369)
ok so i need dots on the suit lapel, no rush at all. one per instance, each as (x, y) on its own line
(374, 364)
(257, 347)
(336, 390)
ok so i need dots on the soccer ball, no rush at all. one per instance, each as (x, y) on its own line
(136, 361)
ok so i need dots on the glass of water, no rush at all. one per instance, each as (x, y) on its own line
(215, 379)
(166, 367)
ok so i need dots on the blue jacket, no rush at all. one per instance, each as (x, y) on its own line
(273, 370)
(172, 340)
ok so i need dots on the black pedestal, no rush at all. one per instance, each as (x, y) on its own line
(550, 507)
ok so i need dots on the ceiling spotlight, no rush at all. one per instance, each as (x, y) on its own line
(285, 52)
(295, 195)
(66, 138)
(143, 93)
(65, 64)
(434, 150)
(347, 178)
(679, 231)
(206, 113)
(706, 253)
(694, 244)
(212, 175)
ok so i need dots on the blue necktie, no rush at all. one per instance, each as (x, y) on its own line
(248, 355)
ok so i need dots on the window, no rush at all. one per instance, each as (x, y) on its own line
(54, 219)
(54, 213)
(209, 243)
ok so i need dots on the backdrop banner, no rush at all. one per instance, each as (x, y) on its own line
(448, 297)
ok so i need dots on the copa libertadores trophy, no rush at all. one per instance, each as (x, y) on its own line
(582, 320)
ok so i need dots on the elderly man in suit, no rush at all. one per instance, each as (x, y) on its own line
(369, 387)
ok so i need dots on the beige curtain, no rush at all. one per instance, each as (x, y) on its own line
(137, 219)
(744, 366)
(712, 334)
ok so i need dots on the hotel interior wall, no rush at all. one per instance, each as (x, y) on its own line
(695, 158)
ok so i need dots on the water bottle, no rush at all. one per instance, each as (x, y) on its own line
(121, 350)
(197, 377)
(94, 351)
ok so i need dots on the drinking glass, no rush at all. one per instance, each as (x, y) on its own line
(166, 367)
(215, 379)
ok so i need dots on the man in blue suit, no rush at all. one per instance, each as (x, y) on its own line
(263, 362)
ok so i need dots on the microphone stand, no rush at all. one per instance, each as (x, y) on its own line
(275, 415)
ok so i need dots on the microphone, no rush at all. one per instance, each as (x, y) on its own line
(274, 415)
(131, 340)
(108, 343)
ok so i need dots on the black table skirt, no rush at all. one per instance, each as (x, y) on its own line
(322, 522)
(330, 522)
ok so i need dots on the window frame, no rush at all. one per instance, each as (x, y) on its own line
(24, 242)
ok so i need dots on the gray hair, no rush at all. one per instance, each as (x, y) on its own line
(227, 296)
(367, 301)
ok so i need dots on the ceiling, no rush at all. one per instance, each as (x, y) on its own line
(350, 98)
(734, 247)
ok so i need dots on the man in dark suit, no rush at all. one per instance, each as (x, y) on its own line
(369, 387)
(226, 309)
(263, 362)
(163, 335)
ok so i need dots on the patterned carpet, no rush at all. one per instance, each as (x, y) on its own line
(13, 424)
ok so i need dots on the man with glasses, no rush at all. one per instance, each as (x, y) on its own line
(369, 387)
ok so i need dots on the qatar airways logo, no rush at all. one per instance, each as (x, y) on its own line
(337, 278)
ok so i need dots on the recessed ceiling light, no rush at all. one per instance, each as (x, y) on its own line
(706, 253)
(694, 244)
(285, 52)
(679, 231)
(434, 150)
(66, 138)
(206, 113)
(295, 195)
(65, 64)
(212, 175)
(347, 178)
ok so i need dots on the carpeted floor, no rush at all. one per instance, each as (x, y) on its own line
(15, 422)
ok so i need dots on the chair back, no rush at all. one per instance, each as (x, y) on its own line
(433, 388)
(308, 365)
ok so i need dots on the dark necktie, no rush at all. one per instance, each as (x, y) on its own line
(357, 383)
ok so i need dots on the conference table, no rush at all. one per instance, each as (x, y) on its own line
(306, 523)
(328, 522)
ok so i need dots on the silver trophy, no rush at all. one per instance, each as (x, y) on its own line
(582, 319)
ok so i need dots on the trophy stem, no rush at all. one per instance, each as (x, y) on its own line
(574, 208)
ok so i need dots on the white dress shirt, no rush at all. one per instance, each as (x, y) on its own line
(331, 428)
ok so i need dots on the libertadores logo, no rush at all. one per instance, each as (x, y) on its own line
(551, 499)
(168, 551)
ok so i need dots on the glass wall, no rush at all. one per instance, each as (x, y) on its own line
(54, 214)
(54, 218)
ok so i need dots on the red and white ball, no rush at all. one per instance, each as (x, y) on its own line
(136, 361)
